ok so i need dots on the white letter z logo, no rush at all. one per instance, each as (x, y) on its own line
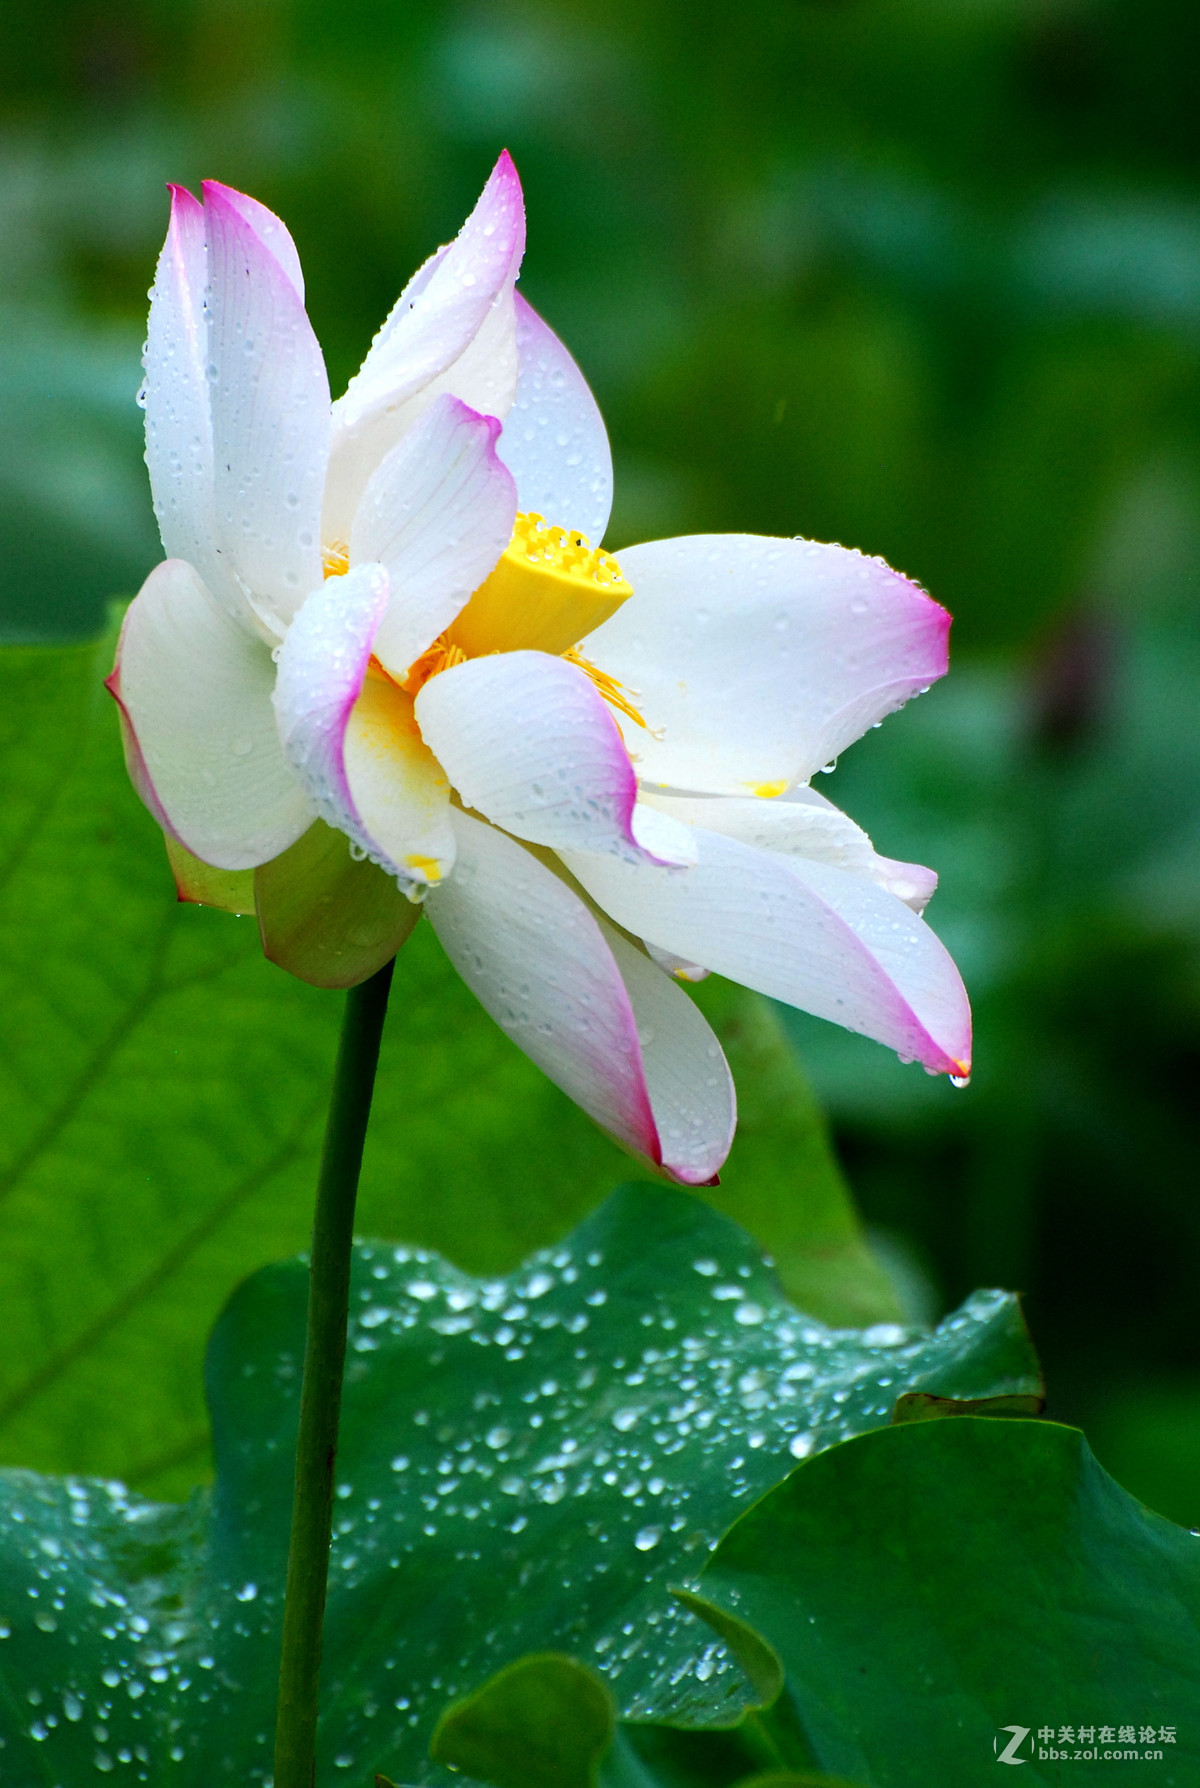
(1019, 1735)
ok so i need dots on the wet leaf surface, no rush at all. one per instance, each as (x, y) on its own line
(527, 1463)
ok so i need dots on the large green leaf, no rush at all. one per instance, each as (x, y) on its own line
(933, 1585)
(526, 1464)
(161, 1097)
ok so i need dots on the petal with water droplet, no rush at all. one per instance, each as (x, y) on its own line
(350, 736)
(555, 443)
(195, 694)
(800, 824)
(814, 936)
(564, 988)
(529, 742)
(438, 512)
(738, 705)
(453, 328)
(270, 415)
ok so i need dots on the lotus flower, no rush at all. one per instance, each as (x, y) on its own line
(382, 671)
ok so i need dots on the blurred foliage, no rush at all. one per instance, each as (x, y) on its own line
(920, 275)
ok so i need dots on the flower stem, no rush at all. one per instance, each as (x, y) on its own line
(324, 1363)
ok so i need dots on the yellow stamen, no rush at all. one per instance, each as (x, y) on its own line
(549, 589)
(336, 558)
(613, 692)
(440, 656)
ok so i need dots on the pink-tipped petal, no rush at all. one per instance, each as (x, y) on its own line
(351, 738)
(555, 443)
(757, 661)
(550, 976)
(271, 231)
(271, 418)
(453, 329)
(687, 1077)
(528, 741)
(814, 936)
(438, 512)
(195, 692)
(800, 824)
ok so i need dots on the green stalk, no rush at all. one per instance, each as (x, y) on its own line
(324, 1364)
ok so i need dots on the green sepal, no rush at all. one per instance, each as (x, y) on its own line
(202, 885)
(543, 1722)
(327, 917)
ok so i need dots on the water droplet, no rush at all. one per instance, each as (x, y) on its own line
(647, 1538)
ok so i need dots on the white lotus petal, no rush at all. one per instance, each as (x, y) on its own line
(453, 329)
(438, 512)
(555, 443)
(801, 824)
(662, 837)
(756, 661)
(271, 231)
(528, 741)
(195, 691)
(814, 936)
(179, 451)
(270, 413)
(535, 958)
(399, 793)
(688, 1079)
(568, 991)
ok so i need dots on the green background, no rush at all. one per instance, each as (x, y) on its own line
(923, 277)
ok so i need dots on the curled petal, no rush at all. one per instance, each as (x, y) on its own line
(801, 824)
(814, 936)
(351, 737)
(270, 416)
(438, 512)
(691, 1089)
(555, 443)
(757, 661)
(528, 741)
(399, 790)
(453, 328)
(195, 691)
(551, 977)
